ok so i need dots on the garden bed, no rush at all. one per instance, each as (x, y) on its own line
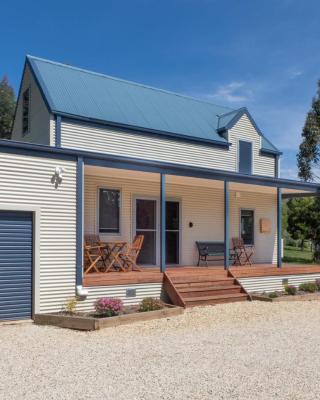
(91, 322)
(286, 297)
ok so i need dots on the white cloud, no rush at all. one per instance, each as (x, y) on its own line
(289, 173)
(233, 92)
(294, 73)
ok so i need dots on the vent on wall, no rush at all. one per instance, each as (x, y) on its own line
(131, 292)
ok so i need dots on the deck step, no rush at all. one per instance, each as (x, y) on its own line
(199, 278)
(217, 299)
(201, 287)
(208, 290)
(221, 282)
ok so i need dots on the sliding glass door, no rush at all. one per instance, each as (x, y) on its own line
(146, 225)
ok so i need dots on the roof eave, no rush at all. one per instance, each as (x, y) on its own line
(270, 152)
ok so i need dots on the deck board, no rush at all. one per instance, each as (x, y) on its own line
(153, 275)
(272, 270)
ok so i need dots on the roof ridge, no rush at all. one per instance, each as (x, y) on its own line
(232, 111)
(127, 81)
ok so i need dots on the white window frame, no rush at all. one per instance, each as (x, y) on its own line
(98, 211)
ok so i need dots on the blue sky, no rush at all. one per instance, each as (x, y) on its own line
(260, 54)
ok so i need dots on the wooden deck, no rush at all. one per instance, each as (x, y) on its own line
(259, 270)
(153, 275)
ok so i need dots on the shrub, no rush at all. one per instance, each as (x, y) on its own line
(310, 287)
(273, 295)
(70, 305)
(150, 304)
(108, 307)
(290, 289)
(318, 283)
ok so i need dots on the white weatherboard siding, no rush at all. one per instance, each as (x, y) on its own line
(244, 130)
(273, 283)
(119, 291)
(26, 181)
(39, 114)
(203, 206)
(111, 141)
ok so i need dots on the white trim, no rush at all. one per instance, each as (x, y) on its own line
(252, 154)
(36, 210)
(98, 211)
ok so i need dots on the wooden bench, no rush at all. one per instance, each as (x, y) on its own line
(208, 250)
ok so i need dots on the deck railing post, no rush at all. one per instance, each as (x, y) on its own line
(226, 226)
(162, 222)
(279, 227)
(79, 220)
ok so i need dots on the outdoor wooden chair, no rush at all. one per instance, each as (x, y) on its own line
(131, 253)
(94, 254)
(242, 253)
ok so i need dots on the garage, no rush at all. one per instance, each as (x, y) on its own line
(16, 260)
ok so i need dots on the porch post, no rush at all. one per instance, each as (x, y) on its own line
(79, 221)
(162, 222)
(226, 225)
(279, 227)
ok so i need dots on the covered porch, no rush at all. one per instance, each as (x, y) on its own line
(176, 210)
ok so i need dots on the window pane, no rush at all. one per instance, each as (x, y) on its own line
(172, 247)
(245, 157)
(172, 215)
(247, 226)
(148, 252)
(25, 111)
(146, 214)
(109, 211)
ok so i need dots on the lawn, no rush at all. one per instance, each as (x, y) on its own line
(295, 255)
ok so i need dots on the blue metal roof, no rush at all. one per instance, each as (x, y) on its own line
(80, 93)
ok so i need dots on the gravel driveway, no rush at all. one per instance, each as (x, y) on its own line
(234, 351)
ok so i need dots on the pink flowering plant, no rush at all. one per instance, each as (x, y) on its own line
(108, 307)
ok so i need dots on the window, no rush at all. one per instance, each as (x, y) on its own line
(245, 157)
(109, 211)
(247, 226)
(25, 111)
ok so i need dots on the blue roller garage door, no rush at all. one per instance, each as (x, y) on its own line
(15, 265)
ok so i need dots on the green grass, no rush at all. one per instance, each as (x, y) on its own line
(295, 255)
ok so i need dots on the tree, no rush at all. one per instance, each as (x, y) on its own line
(7, 107)
(300, 212)
(309, 151)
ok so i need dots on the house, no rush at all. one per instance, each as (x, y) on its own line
(93, 154)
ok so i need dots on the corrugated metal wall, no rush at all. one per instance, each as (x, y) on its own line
(86, 137)
(27, 181)
(273, 283)
(119, 291)
(39, 115)
(244, 130)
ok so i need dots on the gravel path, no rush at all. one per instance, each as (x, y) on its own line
(235, 351)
